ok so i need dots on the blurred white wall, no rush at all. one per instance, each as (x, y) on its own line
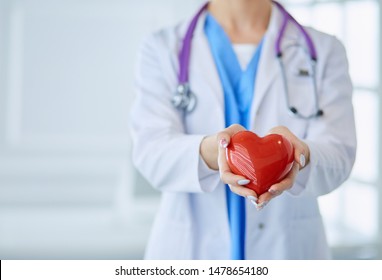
(67, 186)
(352, 214)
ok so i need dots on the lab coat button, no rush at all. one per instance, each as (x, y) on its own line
(261, 226)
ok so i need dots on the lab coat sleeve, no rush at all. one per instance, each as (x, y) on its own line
(163, 153)
(331, 138)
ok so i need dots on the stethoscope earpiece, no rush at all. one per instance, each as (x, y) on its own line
(293, 110)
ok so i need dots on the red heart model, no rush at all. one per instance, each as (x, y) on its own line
(265, 161)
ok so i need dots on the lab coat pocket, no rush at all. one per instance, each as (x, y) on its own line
(307, 239)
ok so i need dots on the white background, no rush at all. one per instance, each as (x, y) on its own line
(67, 186)
(68, 189)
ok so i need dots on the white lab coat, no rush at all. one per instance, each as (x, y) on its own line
(191, 222)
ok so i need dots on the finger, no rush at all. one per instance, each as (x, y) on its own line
(235, 182)
(232, 179)
(243, 191)
(283, 130)
(234, 128)
(287, 182)
(226, 174)
(298, 146)
(267, 196)
(299, 153)
(224, 137)
(262, 201)
(277, 189)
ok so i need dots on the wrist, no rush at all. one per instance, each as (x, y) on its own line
(209, 151)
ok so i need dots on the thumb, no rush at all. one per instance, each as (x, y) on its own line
(223, 139)
(299, 154)
(224, 136)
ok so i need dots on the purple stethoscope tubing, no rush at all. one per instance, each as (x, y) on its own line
(185, 99)
(184, 55)
(308, 40)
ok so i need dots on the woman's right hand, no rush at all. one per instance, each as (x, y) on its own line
(213, 152)
(235, 182)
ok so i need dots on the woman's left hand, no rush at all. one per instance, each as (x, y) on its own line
(301, 159)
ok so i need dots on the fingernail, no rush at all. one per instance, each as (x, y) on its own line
(243, 182)
(252, 199)
(261, 205)
(274, 192)
(223, 143)
(302, 160)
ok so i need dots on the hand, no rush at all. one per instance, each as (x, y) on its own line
(301, 159)
(235, 182)
(209, 147)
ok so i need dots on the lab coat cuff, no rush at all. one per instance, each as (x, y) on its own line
(204, 171)
(301, 181)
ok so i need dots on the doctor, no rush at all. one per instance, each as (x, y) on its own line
(240, 64)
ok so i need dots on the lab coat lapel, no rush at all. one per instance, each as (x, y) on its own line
(268, 67)
(267, 72)
(203, 71)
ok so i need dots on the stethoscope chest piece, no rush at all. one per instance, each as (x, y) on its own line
(184, 98)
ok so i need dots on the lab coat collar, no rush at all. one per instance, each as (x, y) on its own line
(204, 62)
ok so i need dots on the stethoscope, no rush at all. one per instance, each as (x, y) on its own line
(184, 99)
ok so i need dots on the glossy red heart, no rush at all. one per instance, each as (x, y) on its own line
(263, 160)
